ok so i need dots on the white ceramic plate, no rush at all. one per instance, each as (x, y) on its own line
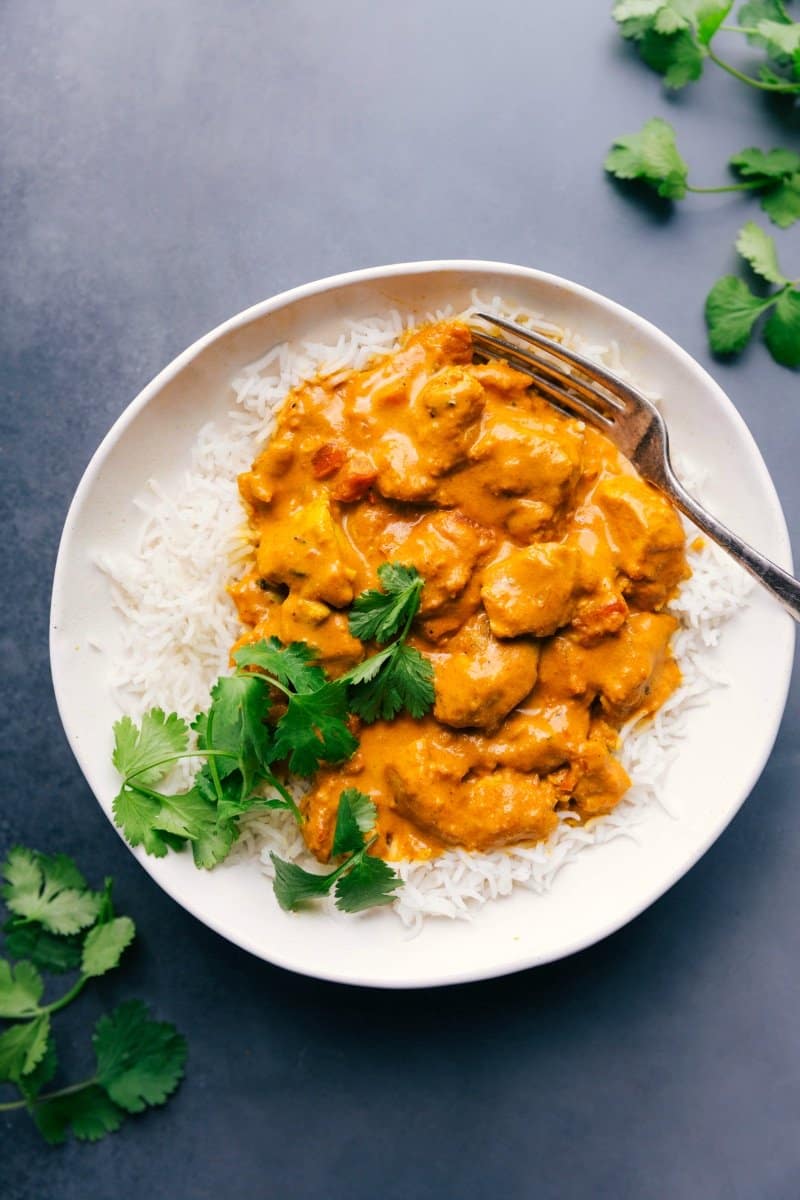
(723, 755)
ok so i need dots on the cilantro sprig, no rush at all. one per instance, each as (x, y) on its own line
(676, 38)
(277, 707)
(398, 676)
(60, 923)
(732, 309)
(359, 882)
(651, 156)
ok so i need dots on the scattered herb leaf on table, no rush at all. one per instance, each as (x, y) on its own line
(139, 1062)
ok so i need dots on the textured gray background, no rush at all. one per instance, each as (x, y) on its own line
(166, 164)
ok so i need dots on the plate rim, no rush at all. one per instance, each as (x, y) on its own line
(284, 299)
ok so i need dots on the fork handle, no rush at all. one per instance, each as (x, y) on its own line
(781, 584)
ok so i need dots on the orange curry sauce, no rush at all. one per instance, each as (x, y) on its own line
(547, 563)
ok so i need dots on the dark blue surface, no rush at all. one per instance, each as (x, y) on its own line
(163, 166)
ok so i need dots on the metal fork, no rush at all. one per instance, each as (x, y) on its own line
(582, 389)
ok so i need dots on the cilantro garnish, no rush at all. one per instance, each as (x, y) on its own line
(399, 676)
(245, 732)
(379, 616)
(359, 882)
(677, 38)
(139, 1061)
(650, 156)
(732, 309)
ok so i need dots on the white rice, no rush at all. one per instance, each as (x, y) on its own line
(179, 623)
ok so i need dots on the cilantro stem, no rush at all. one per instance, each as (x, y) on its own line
(65, 1091)
(749, 80)
(411, 615)
(268, 679)
(176, 758)
(729, 187)
(64, 1000)
(350, 862)
(212, 766)
(285, 795)
(151, 792)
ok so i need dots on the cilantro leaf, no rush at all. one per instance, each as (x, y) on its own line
(293, 665)
(355, 817)
(48, 890)
(679, 57)
(313, 729)
(213, 844)
(229, 809)
(651, 156)
(89, 1113)
(32, 1083)
(185, 815)
(366, 670)
(709, 15)
(758, 249)
(140, 1061)
(380, 616)
(635, 17)
(135, 814)
(369, 884)
(159, 736)
(782, 330)
(778, 173)
(159, 821)
(731, 312)
(21, 989)
(781, 39)
(674, 36)
(292, 885)
(22, 1048)
(405, 680)
(105, 944)
(235, 725)
(47, 951)
(782, 203)
(774, 164)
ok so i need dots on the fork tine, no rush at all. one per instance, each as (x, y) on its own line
(621, 396)
(607, 406)
(567, 403)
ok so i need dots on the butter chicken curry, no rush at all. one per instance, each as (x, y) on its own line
(547, 564)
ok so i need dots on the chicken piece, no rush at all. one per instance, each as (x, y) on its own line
(537, 739)
(445, 548)
(526, 456)
(622, 669)
(532, 590)
(646, 534)
(600, 607)
(502, 377)
(479, 680)
(443, 342)
(253, 598)
(298, 620)
(307, 552)
(257, 486)
(355, 479)
(480, 813)
(402, 471)
(327, 631)
(602, 780)
(446, 413)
